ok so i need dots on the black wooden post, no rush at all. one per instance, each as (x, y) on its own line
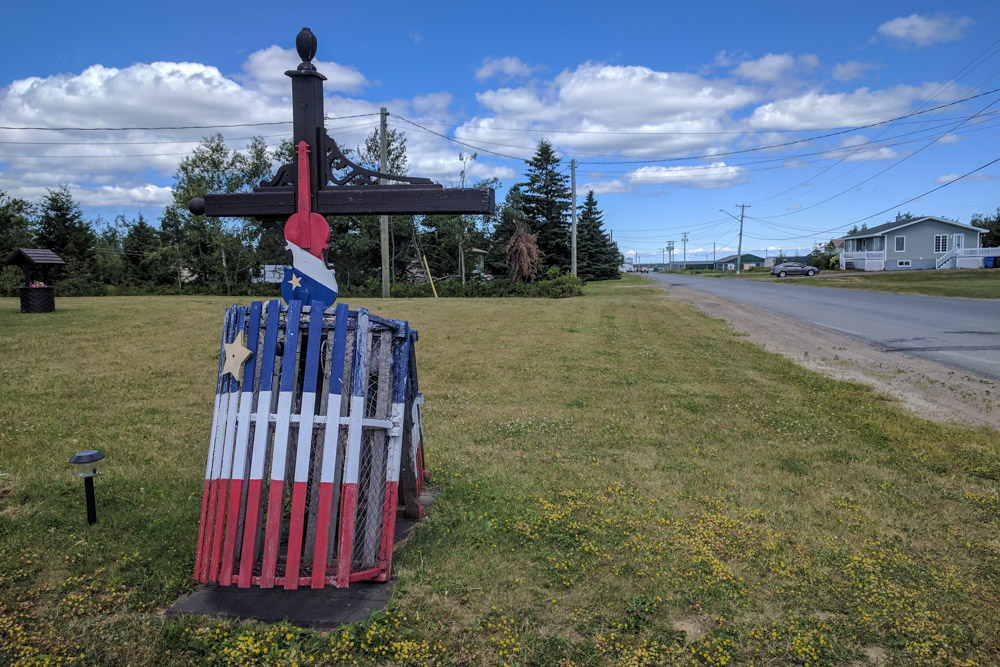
(307, 109)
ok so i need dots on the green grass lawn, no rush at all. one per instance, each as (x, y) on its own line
(968, 283)
(622, 481)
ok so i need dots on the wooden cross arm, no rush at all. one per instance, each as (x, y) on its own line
(349, 200)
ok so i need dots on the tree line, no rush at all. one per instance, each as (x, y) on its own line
(528, 238)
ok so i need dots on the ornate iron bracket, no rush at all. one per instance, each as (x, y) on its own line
(338, 169)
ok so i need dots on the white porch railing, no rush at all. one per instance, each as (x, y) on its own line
(944, 260)
(867, 254)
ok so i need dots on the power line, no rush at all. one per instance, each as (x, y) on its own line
(894, 206)
(461, 143)
(170, 127)
(876, 175)
(168, 141)
(120, 156)
(807, 139)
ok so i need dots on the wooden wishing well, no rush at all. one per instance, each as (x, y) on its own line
(308, 447)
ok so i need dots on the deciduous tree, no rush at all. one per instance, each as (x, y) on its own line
(991, 223)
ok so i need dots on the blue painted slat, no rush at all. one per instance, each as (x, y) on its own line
(262, 413)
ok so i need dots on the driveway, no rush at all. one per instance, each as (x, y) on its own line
(963, 334)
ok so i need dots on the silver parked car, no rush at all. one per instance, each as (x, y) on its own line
(794, 269)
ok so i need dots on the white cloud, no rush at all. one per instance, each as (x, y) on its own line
(850, 70)
(866, 155)
(634, 94)
(146, 195)
(793, 207)
(625, 110)
(417, 37)
(265, 70)
(508, 67)
(919, 31)
(864, 106)
(948, 178)
(715, 175)
(773, 68)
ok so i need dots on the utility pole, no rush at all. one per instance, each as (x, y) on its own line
(384, 219)
(684, 238)
(739, 246)
(572, 168)
(670, 254)
(713, 255)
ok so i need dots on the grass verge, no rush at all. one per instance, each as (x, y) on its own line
(967, 283)
(623, 481)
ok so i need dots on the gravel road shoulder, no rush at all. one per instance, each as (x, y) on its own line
(927, 389)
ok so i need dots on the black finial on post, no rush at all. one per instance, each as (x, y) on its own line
(305, 44)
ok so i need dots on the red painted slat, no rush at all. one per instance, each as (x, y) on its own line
(388, 526)
(199, 554)
(322, 534)
(250, 528)
(345, 545)
(229, 545)
(272, 533)
(295, 526)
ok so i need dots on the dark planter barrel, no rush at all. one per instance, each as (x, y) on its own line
(38, 299)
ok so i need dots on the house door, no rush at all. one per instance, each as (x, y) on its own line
(958, 241)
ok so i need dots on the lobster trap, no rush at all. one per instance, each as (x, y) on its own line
(314, 447)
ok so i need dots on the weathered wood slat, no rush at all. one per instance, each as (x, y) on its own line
(262, 430)
(325, 517)
(279, 453)
(375, 489)
(240, 445)
(226, 470)
(268, 203)
(204, 529)
(352, 457)
(400, 380)
(296, 524)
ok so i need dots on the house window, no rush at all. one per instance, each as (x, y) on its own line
(903, 263)
(900, 243)
(940, 243)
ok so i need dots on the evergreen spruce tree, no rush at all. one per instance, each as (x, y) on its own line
(546, 206)
(15, 232)
(597, 258)
(62, 229)
(140, 253)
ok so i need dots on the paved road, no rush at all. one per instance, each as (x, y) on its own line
(961, 333)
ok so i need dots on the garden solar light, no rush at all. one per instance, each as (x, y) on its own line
(86, 463)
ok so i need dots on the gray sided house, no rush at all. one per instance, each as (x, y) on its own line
(916, 243)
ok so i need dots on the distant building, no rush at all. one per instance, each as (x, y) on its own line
(728, 263)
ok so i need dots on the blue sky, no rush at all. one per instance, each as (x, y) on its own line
(673, 111)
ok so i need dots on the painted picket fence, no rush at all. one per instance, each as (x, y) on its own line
(303, 477)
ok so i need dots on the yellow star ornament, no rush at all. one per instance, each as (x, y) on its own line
(236, 355)
(296, 281)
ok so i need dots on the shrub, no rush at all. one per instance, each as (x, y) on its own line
(556, 288)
